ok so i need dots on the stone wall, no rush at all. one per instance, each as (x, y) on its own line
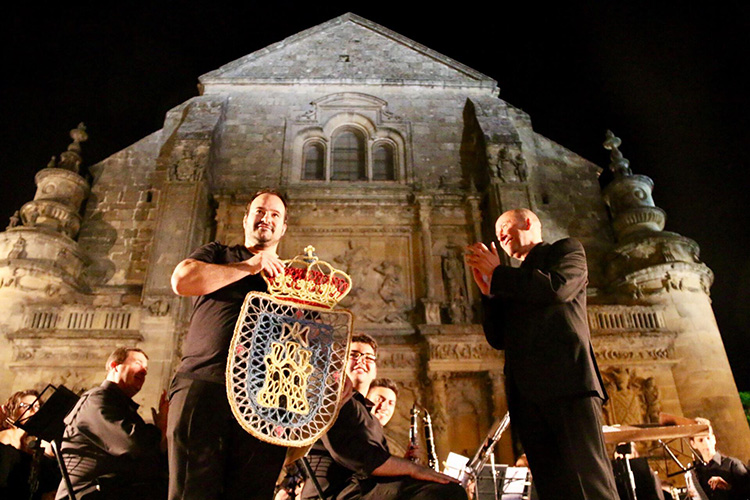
(120, 215)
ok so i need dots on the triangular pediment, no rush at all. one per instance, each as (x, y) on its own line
(347, 50)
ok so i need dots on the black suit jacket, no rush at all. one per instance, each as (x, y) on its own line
(537, 314)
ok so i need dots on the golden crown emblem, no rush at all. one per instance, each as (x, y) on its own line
(308, 280)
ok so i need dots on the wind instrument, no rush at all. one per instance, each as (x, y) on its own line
(429, 439)
(414, 430)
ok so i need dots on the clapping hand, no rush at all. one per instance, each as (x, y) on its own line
(483, 262)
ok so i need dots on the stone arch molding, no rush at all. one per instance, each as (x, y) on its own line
(329, 115)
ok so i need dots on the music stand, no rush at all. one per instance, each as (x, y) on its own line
(47, 424)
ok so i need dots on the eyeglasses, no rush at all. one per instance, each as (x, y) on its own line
(356, 356)
(35, 404)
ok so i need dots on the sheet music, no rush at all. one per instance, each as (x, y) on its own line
(515, 479)
(455, 465)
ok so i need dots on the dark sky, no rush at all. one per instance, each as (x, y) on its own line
(666, 77)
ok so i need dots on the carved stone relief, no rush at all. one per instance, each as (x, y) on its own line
(508, 163)
(378, 294)
(188, 163)
(388, 359)
(658, 264)
(667, 278)
(28, 281)
(19, 249)
(158, 307)
(633, 399)
(614, 353)
(463, 350)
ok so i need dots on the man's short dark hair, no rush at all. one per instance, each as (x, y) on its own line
(274, 192)
(363, 338)
(120, 354)
(388, 383)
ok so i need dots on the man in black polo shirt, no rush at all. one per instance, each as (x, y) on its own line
(352, 459)
(210, 455)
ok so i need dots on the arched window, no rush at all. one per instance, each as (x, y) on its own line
(348, 157)
(314, 163)
(382, 163)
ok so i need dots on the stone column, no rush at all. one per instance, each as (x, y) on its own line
(439, 413)
(504, 449)
(430, 301)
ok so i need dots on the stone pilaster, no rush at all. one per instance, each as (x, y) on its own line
(184, 222)
(504, 448)
(439, 413)
(430, 301)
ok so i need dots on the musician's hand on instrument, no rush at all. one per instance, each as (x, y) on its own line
(265, 262)
(718, 483)
(412, 453)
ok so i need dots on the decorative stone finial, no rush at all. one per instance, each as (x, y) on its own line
(71, 159)
(60, 192)
(618, 164)
(14, 221)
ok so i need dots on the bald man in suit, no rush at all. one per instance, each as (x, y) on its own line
(536, 313)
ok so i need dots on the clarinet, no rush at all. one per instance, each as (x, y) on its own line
(432, 460)
(413, 430)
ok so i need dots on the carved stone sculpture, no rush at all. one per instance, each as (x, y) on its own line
(454, 278)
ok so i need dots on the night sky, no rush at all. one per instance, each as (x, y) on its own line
(667, 79)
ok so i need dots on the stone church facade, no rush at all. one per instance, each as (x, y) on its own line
(394, 158)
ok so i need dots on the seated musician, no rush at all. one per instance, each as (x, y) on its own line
(383, 394)
(24, 457)
(719, 476)
(352, 459)
(109, 451)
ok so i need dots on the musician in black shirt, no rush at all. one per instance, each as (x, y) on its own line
(109, 451)
(352, 459)
(210, 455)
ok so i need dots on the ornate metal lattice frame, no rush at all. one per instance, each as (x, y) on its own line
(285, 369)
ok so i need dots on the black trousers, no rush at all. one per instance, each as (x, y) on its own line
(565, 447)
(210, 455)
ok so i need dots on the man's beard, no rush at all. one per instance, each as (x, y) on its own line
(262, 238)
